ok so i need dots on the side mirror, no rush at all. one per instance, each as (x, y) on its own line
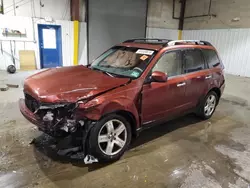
(158, 76)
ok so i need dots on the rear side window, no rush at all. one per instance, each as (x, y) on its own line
(193, 61)
(211, 58)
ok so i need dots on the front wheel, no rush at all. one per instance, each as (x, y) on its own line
(109, 138)
(208, 106)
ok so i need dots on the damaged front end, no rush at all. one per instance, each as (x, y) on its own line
(57, 120)
(60, 121)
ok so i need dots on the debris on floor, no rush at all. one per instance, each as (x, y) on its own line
(3, 87)
(13, 85)
(32, 141)
(89, 159)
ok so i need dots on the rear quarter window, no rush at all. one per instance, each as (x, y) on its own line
(193, 61)
(211, 57)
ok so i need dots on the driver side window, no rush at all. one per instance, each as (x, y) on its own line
(170, 63)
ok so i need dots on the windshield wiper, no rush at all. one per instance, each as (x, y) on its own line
(109, 74)
(104, 72)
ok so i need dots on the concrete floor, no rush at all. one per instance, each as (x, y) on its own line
(186, 152)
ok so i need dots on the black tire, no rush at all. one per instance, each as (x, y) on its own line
(201, 109)
(11, 69)
(93, 144)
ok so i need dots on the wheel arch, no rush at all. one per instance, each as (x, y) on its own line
(217, 91)
(131, 118)
(128, 116)
(202, 98)
(126, 109)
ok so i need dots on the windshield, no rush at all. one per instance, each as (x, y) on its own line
(124, 61)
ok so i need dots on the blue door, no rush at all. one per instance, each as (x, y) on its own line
(50, 44)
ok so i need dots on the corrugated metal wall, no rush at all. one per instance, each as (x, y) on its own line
(233, 46)
(162, 33)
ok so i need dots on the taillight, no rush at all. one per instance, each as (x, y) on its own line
(222, 66)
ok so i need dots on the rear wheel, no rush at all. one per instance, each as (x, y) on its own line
(208, 106)
(110, 138)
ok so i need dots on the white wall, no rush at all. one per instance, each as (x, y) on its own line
(19, 44)
(83, 44)
(57, 9)
(233, 46)
(67, 41)
(29, 13)
(31, 42)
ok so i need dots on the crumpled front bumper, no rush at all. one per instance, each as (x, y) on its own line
(30, 116)
(33, 118)
(36, 120)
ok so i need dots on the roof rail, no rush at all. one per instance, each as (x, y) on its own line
(197, 42)
(148, 39)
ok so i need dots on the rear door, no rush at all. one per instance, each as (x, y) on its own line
(197, 75)
(163, 100)
(215, 65)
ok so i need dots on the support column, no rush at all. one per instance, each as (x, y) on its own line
(181, 20)
(76, 41)
(75, 16)
(1, 7)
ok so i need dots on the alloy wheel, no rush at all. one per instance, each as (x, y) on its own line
(112, 137)
(210, 105)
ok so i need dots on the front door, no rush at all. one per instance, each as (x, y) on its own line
(50, 44)
(163, 100)
(197, 76)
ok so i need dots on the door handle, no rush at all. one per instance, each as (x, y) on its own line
(181, 84)
(208, 77)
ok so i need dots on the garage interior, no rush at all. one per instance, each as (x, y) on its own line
(185, 152)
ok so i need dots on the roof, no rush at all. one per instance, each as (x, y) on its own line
(157, 44)
(142, 45)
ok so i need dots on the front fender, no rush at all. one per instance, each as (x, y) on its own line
(95, 109)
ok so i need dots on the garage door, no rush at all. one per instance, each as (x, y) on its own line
(113, 21)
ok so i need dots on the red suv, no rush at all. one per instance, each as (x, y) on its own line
(133, 85)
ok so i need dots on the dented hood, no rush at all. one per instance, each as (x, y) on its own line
(69, 84)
